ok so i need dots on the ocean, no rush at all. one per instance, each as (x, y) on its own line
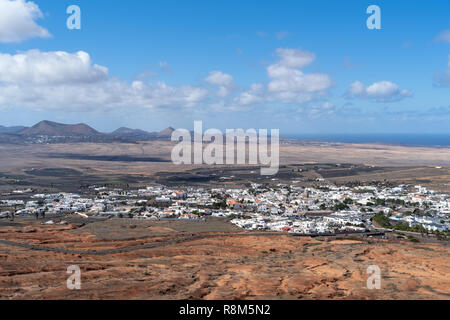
(429, 140)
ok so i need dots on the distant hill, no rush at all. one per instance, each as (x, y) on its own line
(166, 133)
(138, 134)
(49, 128)
(14, 129)
(125, 130)
(134, 134)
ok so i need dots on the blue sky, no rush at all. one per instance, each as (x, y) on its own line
(300, 66)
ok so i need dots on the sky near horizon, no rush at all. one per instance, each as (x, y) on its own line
(298, 66)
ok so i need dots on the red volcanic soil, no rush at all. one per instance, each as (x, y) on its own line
(219, 267)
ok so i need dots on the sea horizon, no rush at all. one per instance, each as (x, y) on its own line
(405, 139)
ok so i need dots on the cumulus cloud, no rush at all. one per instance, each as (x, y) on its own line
(444, 36)
(219, 78)
(294, 58)
(223, 80)
(103, 95)
(36, 67)
(383, 91)
(252, 96)
(289, 83)
(18, 21)
(72, 81)
(61, 80)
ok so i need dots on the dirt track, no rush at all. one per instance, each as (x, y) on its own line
(133, 248)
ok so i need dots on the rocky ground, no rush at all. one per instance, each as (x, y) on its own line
(219, 267)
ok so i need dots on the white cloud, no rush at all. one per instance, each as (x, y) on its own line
(18, 21)
(357, 88)
(289, 83)
(72, 81)
(223, 92)
(36, 67)
(223, 80)
(444, 36)
(252, 96)
(106, 94)
(61, 80)
(219, 78)
(382, 91)
(294, 58)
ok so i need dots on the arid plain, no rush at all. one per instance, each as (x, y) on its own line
(141, 161)
(213, 259)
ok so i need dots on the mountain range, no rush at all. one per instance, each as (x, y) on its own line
(52, 132)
